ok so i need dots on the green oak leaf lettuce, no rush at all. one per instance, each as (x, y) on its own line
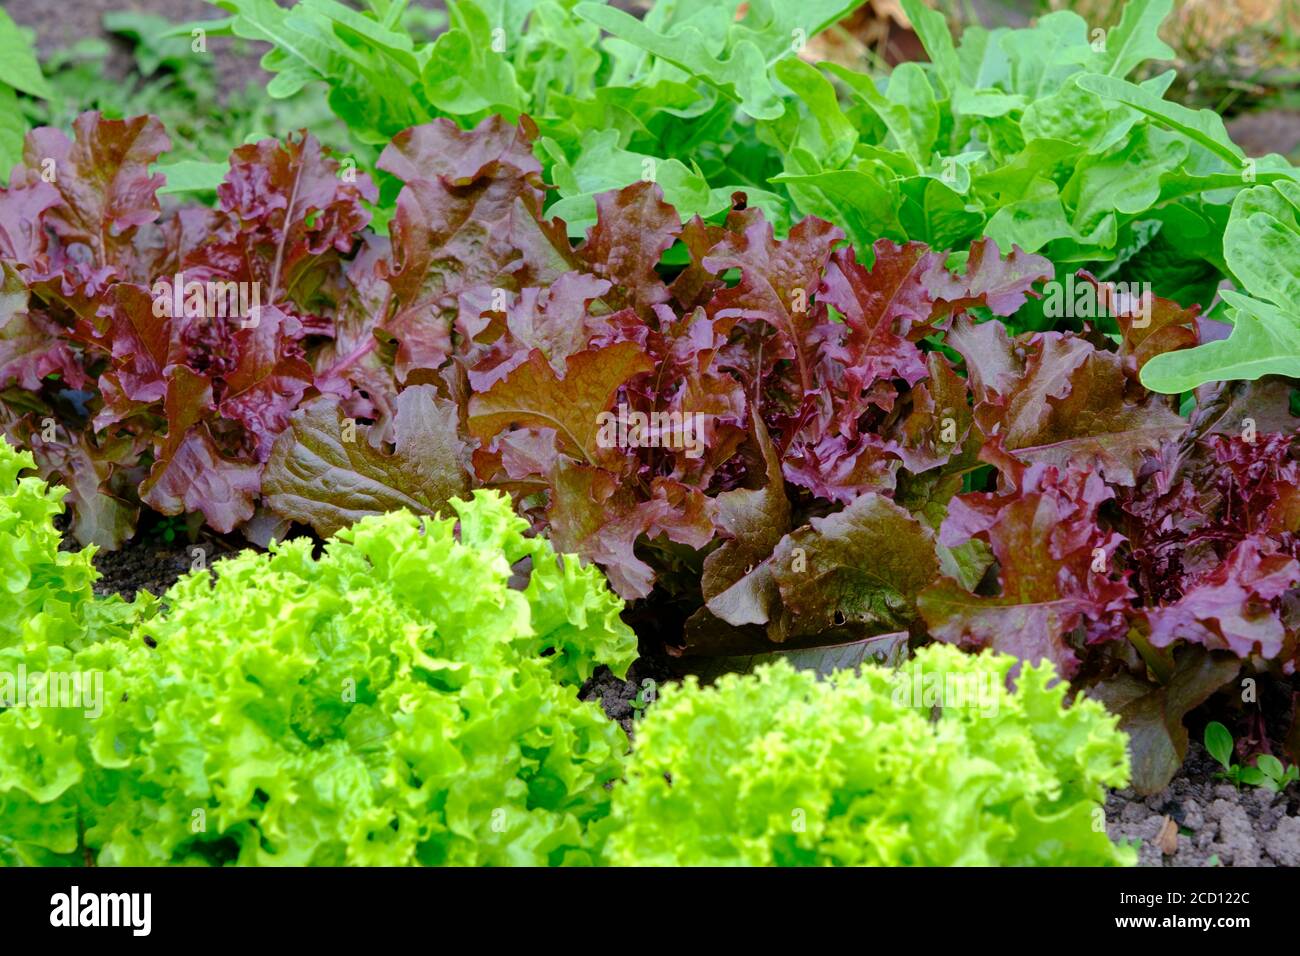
(1262, 249)
(675, 96)
(1032, 137)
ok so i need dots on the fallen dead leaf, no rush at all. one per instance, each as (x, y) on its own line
(1167, 838)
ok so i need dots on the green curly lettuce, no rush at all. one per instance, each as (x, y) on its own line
(935, 764)
(46, 595)
(394, 701)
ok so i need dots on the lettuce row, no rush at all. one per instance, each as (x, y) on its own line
(779, 768)
(663, 93)
(1045, 137)
(405, 698)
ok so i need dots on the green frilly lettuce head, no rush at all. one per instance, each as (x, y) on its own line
(46, 595)
(936, 764)
(402, 698)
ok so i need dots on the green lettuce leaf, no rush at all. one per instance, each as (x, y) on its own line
(1262, 248)
(400, 699)
(774, 769)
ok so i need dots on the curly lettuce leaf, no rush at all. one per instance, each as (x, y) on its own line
(773, 769)
(397, 700)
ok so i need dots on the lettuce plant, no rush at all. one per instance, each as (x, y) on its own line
(937, 764)
(1045, 137)
(678, 100)
(400, 699)
(644, 416)
(476, 317)
(48, 599)
(1153, 592)
(1261, 246)
(135, 388)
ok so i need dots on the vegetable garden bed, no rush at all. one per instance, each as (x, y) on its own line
(1214, 823)
(904, 459)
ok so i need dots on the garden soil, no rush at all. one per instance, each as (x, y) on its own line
(1198, 821)
(148, 563)
(59, 25)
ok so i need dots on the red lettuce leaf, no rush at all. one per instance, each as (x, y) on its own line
(737, 581)
(286, 214)
(1057, 399)
(31, 343)
(1045, 534)
(469, 216)
(1152, 714)
(829, 585)
(634, 228)
(104, 186)
(534, 396)
(323, 472)
(1234, 606)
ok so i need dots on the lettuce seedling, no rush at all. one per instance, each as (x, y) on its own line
(1268, 771)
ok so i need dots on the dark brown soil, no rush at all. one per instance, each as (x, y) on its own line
(152, 564)
(63, 24)
(159, 553)
(59, 25)
(623, 700)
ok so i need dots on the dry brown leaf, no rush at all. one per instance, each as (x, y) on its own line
(1167, 838)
